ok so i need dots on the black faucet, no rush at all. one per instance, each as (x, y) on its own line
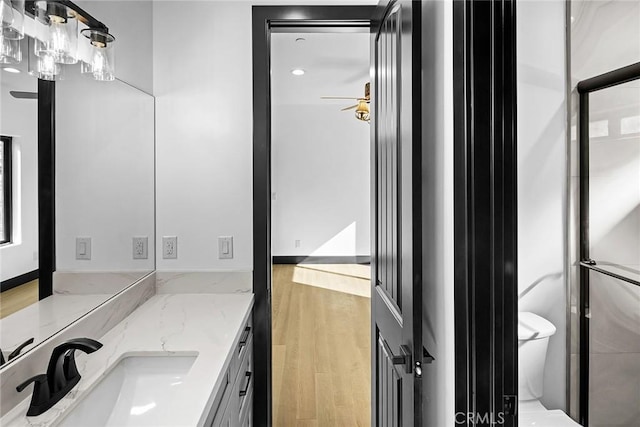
(15, 353)
(62, 375)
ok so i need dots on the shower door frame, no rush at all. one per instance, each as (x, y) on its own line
(584, 88)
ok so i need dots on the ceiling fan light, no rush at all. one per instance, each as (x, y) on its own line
(362, 111)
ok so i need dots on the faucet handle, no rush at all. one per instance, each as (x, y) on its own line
(62, 370)
(41, 393)
(16, 352)
(37, 380)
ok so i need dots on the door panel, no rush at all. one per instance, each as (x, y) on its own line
(389, 391)
(396, 305)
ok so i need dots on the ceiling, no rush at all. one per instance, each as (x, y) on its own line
(335, 64)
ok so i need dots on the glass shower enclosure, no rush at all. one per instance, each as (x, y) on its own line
(609, 136)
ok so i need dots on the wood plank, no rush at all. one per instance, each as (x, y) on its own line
(18, 298)
(321, 352)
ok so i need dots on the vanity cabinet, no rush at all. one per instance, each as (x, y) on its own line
(232, 406)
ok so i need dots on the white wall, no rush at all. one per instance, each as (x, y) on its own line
(542, 178)
(17, 119)
(204, 132)
(130, 21)
(104, 173)
(320, 171)
(438, 301)
(105, 148)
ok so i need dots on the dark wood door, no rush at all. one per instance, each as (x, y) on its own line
(396, 272)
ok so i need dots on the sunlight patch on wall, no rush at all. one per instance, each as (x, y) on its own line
(342, 244)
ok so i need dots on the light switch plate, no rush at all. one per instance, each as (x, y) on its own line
(83, 247)
(225, 247)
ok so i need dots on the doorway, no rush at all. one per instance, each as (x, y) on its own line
(266, 20)
(320, 222)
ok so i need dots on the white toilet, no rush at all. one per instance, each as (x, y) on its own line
(533, 338)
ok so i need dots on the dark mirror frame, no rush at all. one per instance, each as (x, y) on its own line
(46, 186)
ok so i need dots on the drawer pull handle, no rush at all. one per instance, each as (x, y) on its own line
(246, 386)
(245, 337)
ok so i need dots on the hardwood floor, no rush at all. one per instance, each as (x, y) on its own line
(321, 346)
(18, 298)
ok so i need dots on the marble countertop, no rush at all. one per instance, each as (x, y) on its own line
(208, 326)
(44, 318)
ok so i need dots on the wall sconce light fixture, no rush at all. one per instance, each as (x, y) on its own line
(60, 38)
(54, 39)
(101, 64)
(12, 18)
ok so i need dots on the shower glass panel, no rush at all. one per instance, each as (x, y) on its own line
(613, 230)
(614, 365)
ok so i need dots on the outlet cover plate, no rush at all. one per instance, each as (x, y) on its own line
(140, 248)
(169, 247)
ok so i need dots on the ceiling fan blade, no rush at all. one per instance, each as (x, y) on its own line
(339, 97)
(349, 108)
(23, 95)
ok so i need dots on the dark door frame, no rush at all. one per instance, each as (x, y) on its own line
(264, 19)
(485, 212)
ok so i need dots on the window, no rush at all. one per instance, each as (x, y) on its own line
(5, 189)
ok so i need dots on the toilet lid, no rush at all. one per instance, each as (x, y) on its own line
(531, 326)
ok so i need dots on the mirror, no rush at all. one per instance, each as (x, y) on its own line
(104, 200)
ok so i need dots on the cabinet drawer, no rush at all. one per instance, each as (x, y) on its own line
(243, 344)
(233, 405)
(220, 403)
(226, 418)
(245, 381)
(246, 411)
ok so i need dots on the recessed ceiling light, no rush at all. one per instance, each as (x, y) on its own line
(11, 70)
(297, 71)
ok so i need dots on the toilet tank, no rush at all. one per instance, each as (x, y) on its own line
(533, 338)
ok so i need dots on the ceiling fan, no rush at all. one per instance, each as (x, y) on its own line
(362, 107)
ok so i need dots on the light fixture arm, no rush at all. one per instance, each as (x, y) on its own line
(82, 15)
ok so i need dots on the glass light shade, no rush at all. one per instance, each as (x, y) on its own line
(44, 66)
(13, 11)
(362, 111)
(101, 63)
(6, 13)
(10, 51)
(61, 39)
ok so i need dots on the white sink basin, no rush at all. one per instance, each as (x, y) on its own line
(136, 392)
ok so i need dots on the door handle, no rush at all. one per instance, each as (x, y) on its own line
(403, 359)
